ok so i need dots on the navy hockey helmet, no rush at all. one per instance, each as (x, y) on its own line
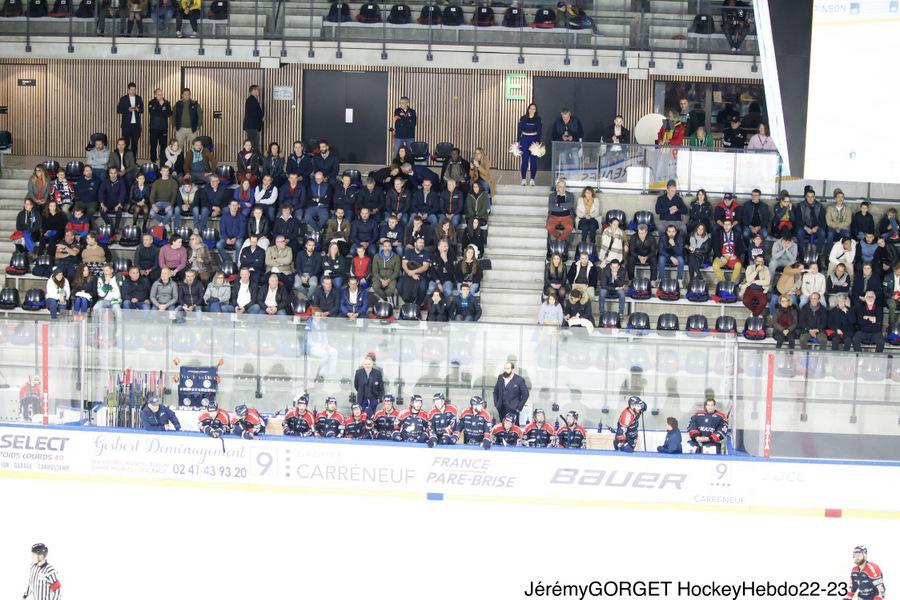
(439, 396)
(415, 398)
(212, 405)
(511, 417)
(388, 398)
(573, 414)
(241, 410)
(476, 401)
(330, 400)
(302, 399)
(536, 412)
(636, 402)
(860, 550)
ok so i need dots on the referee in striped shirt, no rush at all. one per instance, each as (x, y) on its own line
(43, 584)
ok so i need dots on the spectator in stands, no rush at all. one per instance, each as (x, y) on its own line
(874, 250)
(173, 157)
(299, 163)
(327, 162)
(670, 207)
(673, 130)
(583, 276)
(199, 260)
(363, 232)
(287, 226)
(28, 227)
(617, 133)
(334, 265)
(164, 292)
(889, 227)
(612, 281)
(480, 166)
(437, 307)
(345, 196)
(560, 204)
(892, 293)
(757, 246)
(354, 300)
(109, 292)
(53, 226)
(842, 252)
(280, 261)
(841, 323)
(478, 205)
(399, 201)
(146, 258)
(838, 218)
(327, 299)
(57, 292)
(413, 286)
(113, 196)
(249, 164)
(371, 197)
(139, 201)
(783, 217)
(190, 293)
(427, 203)
(87, 191)
(671, 252)
(700, 139)
(136, 290)
(811, 282)
(385, 271)
(734, 137)
(160, 111)
(788, 284)
(755, 216)
(736, 22)
(642, 251)
(337, 231)
(318, 204)
(392, 232)
(784, 322)
(66, 254)
(308, 265)
(402, 156)
(866, 280)
(84, 292)
(39, 184)
(97, 159)
(784, 252)
(468, 270)
(201, 162)
(813, 323)
(577, 311)
(243, 292)
(163, 198)
(188, 113)
(474, 235)
(555, 276)
(131, 106)
(232, 231)
(700, 211)
(757, 281)
(838, 283)
(94, 254)
(529, 132)
(568, 128)
(244, 194)
(809, 217)
(612, 244)
(457, 169)
(190, 9)
(868, 316)
(452, 202)
(728, 209)
(209, 202)
(727, 249)
(265, 196)
(78, 222)
(174, 257)
(293, 193)
(762, 140)
(122, 160)
(551, 312)
(404, 129)
(253, 116)
(273, 165)
(587, 213)
(62, 191)
(271, 298)
(187, 194)
(443, 273)
(361, 267)
(464, 306)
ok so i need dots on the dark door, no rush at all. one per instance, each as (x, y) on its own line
(327, 96)
(592, 100)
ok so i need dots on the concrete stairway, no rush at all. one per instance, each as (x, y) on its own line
(517, 247)
(13, 188)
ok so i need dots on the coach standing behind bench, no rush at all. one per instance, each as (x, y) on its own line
(510, 392)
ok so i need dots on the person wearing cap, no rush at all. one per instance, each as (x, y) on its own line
(43, 581)
(298, 421)
(369, 385)
(672, 444)
(131, 107)
(708, 427)
(506, 432)
(475, 424)
(156, 416)
(442, 421)
(570, 434)
(866, 578)
(510, 392)
(734, 137)
(627, 426)
(539, 433)
(384, 418)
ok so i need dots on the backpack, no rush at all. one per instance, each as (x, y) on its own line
(513, 17)
(338, 13)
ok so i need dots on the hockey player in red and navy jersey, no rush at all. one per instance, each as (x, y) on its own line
(708, 427)
(357, 425)
(329, 422)
(249, 424)
(299, 420)
(570, 434)
(384, 418)
(442, 419)
(866, 578)
(214, 421)
(507, 433)
(627, 429)
(412, 424)
(475, 424)
(539, 433)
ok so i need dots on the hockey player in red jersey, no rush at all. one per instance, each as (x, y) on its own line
(539, 433)
(357, 425)
(299, 420)
(214, 421)
(384, 418)
(627, 429)
(329, 422)
(248, 424)
(507, 433)
(570, 434)
(442, 420)
(475, 424)
(866, 579)
(412, 424)
(708, 427)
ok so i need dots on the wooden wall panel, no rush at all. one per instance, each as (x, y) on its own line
(283, 118)
(223, 90)
(635, 99)
(26, 116)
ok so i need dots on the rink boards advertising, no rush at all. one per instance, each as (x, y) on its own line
(707, 483)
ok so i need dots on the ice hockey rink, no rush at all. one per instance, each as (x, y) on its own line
(114, 537)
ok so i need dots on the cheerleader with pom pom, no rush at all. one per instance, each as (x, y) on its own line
(528, 135)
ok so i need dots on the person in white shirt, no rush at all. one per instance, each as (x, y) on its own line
(109, 292)
(242, 292)
(58, 292)
(811, 282)
(844, 252)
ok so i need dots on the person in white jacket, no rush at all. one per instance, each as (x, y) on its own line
(843, 251)
(58, 292)
(587, 215)
(109, 292)
(811, 281)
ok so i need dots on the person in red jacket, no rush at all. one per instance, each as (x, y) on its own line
(866, 578)
(672, 131)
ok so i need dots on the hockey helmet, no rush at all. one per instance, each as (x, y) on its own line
(856, 550)
(211, 405)
(302, 399)
(698, 290)
(610, 320)
(330, 400)
(34, 300)
(410, 312)
(669, 290)
(639, 288)
(74, 169)
(452, 15)
(726, 324)
(511, 417)
(439, 397)
(241, 410)
(755, 328)
(667, 322)
(415, 398)
(573, 414)
(430, 15)
(613, 213)
(726, 292)
(636, 402)
(476, 401)
(400, 15)
(536, 412)
(388, 398)
(638, 321)
(369, 13)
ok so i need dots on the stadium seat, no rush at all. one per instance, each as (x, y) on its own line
(726, 292)
(726, 324)
(34, 299)
(430, 15)
(698, 290)
(639, 289)
(43, 266)
(696, 324)
(669, 290)
(610, 320)
(121, 265)
(638, 321)
(74, 169)
(667, 322)
(419, 151)
(615, 213)
(9, 298)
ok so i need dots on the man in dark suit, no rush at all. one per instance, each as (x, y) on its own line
(369, 386)
(253, 117)
(131, 106)
(510, 392)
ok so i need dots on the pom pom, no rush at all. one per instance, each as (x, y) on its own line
(515, 149)
(537, 149)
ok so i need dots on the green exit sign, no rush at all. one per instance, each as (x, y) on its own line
(515, 86)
